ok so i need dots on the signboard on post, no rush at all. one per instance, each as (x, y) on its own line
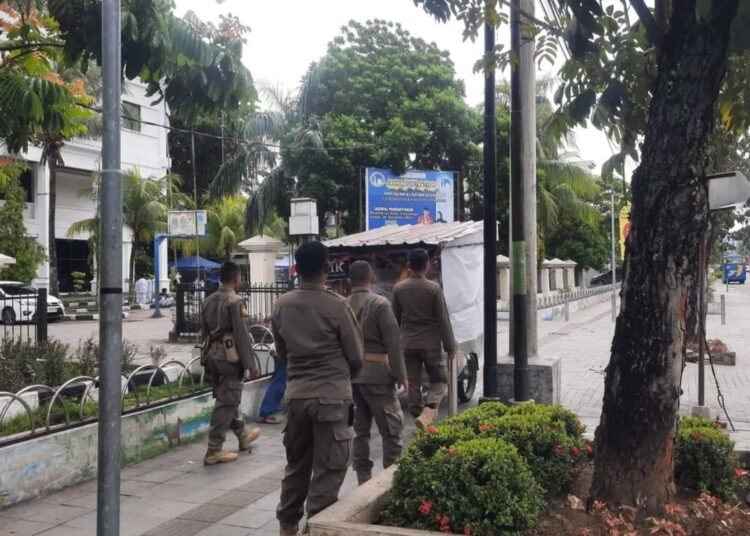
(416, 197)
(182, 223)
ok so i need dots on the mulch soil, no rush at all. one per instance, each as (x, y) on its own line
(689, 514)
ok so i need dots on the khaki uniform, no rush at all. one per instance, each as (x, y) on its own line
(317, 335)
(375, 386)
(223, 319)
(419, 306)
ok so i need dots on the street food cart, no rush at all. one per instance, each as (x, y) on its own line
(456, 255)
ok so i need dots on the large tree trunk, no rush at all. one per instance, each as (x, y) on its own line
(635, 438)
(54, 285)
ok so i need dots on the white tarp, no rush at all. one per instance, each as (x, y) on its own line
(463, 285)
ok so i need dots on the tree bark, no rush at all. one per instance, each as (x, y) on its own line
(635, 437)
(54, 284)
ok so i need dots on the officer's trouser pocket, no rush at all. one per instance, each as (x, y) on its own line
(394, 421)
(336, 433)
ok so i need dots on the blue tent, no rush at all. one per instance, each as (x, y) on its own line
(194, 263)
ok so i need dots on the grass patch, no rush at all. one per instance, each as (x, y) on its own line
(20, 423)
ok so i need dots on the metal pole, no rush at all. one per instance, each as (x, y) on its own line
(490, 225)
(452, 387)
(195, 211)
(518, 246)
(110, 295)
(41, 315)
(527, 105)
(157, 275)
(614, 268)
(723, 310)
(701, 320)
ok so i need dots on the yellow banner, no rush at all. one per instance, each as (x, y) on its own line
(624, 227)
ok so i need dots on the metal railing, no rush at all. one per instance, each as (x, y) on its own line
(563, 297)
(189, 305)
(25, 316)
(75, 397)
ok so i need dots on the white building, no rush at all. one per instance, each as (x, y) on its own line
(144, 147)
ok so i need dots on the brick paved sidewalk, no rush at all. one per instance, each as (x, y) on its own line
(176, 495)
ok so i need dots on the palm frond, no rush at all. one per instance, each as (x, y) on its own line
(259, 207)
(83, 227)
(581, 182)
(547, 209)
(568, 201)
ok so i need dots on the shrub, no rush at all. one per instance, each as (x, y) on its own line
(552, 454)
(556, 414)
(480, 487)
(87, 357)
(427, 443)
(473, 417)
(704, 458)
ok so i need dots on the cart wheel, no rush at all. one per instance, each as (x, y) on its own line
(467, 379)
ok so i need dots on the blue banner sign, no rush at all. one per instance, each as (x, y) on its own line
(416, 197)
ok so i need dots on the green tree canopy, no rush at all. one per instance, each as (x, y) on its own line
(380, 97)
(14, 240)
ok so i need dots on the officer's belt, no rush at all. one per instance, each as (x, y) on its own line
(377, 358)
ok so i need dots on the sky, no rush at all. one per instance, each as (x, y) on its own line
(287, 35)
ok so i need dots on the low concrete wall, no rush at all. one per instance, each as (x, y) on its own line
(354, 514)
(51, 462)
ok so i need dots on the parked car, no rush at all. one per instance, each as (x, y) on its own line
(18, 303)
(606, 278)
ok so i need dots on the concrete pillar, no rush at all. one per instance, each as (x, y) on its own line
(504, 283)
(127, 247)
(164, 265)
(41, 215)
(261, 257)
(558, 277)
(545, 281)
(571, 276)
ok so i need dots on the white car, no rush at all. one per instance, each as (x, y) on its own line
(18, 303)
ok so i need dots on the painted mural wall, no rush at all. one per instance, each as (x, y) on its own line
(49, 463)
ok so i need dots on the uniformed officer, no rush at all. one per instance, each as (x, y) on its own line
(419, 306)
(375, 386)
(226, 354)
(316, 333)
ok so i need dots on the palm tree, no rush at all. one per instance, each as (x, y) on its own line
(226, 225)
(562, 186)
(255, 165)
(144, 211)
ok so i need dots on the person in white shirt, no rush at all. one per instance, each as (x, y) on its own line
(141, 291)
(166, 299)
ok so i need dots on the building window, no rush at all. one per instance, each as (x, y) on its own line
(131, 116)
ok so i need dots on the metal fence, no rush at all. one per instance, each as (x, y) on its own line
(542, 302)
(41, 409)
(189, 304)
(25, 315)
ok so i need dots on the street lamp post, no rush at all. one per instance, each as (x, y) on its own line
(110, 293)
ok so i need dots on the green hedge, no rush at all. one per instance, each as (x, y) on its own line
(480, 487)
(458, 469)
(704, 458)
